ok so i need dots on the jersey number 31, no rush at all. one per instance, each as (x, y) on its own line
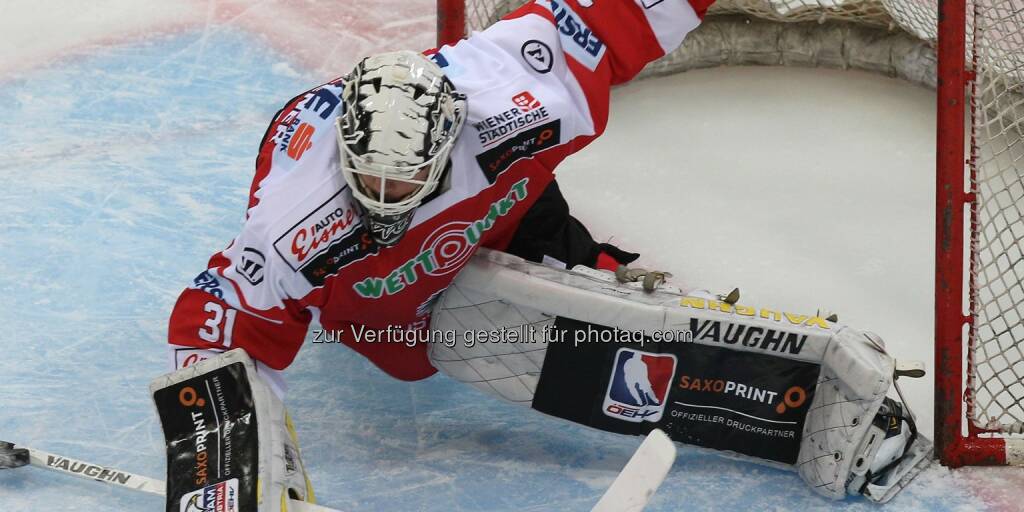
(211, 329)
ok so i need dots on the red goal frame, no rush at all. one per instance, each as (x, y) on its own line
(958, 441)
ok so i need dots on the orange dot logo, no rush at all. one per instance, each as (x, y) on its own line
(188, 397)
(544, 136)
(793, 397)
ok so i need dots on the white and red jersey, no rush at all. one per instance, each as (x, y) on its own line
(537, 86)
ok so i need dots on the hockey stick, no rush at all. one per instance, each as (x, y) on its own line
(629, 492)
(643, 474)
(13, 457)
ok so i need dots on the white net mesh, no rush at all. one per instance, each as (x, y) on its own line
(896, 38)
(996, 357)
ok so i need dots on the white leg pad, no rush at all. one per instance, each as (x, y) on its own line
(481, 355)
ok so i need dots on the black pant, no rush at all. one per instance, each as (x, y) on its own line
(547, 229)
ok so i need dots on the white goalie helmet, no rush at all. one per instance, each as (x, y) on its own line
(402, 116)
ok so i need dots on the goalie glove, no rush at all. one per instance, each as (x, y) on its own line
(231, 445)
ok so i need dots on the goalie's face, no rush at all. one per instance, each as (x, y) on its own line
(391, 191)
(401, 119)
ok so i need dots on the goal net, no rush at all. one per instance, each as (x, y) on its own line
(980, 214)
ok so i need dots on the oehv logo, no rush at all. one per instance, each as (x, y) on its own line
(639, 385)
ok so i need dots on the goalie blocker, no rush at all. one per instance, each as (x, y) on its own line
(230, 443)
(783, 389)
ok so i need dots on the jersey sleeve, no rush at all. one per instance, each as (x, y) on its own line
(611, 41)
(247, 297)
(214, 312)
(564, 54)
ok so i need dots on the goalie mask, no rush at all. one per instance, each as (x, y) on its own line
(401, 119)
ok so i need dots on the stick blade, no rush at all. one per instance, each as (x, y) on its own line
(643, 474)
(11, 457)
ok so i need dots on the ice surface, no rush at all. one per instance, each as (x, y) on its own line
(129, 136)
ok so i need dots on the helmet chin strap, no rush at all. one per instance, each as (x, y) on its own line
(387, 230)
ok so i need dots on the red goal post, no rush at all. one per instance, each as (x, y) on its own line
(973, 56)
(979, 334)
